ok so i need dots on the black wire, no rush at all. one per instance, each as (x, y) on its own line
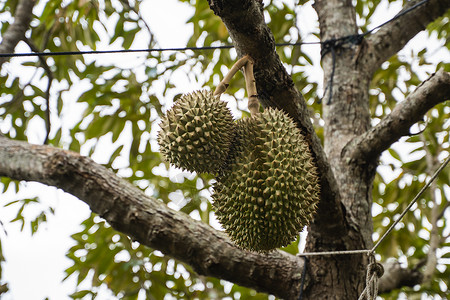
(332, 44)
(113, 51)
(330, 81)
(354, 39)
(305, 265)
(396, 16)
(139, 50)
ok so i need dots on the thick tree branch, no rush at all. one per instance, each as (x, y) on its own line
(371, 144)
(394, 36)
(16, 31)
(396, 277)
(149, 221)
(244, 20)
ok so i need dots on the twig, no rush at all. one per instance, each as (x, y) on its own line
(430, 265)
(441, 214)
(140, 18)
(247, 63)
(250, 82)
(223, 85)
(47, 91)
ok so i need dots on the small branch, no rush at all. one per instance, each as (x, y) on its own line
(138, 13)
(44, 64)
(371, 144)
(223, 85)
(252, 93)
(247, 63)
(431, 262)
(149, 221)
(441, 214)
(392, 37)
(16, 32)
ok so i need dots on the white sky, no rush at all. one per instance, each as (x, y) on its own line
(35, 265)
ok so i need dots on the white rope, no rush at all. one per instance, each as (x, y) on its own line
(370, 292)
(374, 271)
(344, 252)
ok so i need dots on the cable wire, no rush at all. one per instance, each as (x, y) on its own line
(396, 16)
(349, 38)
(411, 203)
(113, 51)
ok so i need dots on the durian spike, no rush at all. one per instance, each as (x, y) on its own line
(223, 85)
(250, 82)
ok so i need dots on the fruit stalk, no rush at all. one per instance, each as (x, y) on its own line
(253, 102)
(223, 85)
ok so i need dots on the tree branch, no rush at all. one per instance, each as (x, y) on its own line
(45, 66)
(433, 165)
(149, 221)
(244, 20)
(16, 31)
(394, 36)
(395, 277)
(370, 145)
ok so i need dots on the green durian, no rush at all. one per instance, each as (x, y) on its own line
(270, 188)
(196, 133)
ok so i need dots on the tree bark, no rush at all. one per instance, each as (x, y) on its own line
(149, 221)
(346, 115)
(16, 31)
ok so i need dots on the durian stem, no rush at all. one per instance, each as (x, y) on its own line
(247, 63)
(253, 102)
(223, 85)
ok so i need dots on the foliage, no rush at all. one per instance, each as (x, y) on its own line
(120, 107)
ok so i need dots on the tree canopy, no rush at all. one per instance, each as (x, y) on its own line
(133, 244)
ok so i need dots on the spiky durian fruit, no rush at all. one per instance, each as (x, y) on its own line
(270, 188)
(196, 133)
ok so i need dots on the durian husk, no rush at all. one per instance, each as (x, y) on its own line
(196, 133)
(269, 189)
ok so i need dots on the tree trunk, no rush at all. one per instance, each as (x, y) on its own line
(346, 115)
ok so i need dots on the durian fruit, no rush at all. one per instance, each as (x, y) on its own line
(270, 188)
(196, 133)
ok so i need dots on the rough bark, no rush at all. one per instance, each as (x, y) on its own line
(150, 221)
(346, 116)
(16, 31)
(371, 143)
(391, 38)
(350, 65)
